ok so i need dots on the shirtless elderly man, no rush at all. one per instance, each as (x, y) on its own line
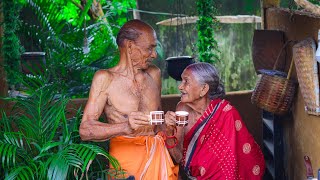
(126, 94)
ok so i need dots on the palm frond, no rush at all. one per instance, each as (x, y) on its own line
(60, 164)
(12, 146)
(21, 172)
(5, 122)
(48, 14)
(87, 152)
(40, 114)
(85, 11)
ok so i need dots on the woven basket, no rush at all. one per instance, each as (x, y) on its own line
(307, 72)
(273, 92)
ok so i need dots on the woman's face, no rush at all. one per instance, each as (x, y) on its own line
(190, 88)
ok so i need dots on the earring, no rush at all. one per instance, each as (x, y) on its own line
(201, 95)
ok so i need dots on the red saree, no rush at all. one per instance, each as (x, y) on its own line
(219, 146)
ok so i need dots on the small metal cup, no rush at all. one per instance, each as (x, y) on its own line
(156, 117)
(182, 118)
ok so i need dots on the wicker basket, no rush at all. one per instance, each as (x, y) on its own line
(274, 93)
(307, 72)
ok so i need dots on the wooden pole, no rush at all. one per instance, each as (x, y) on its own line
(178, 21)
(136, 14)
(3, 79)
(264, 5)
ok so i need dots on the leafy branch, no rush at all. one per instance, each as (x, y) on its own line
(206, 25)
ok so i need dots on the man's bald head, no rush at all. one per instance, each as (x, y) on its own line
(132, 30)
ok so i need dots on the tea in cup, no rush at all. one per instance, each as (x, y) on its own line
(156, 117)
(182, 118)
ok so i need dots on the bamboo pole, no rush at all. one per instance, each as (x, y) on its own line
(222, 19)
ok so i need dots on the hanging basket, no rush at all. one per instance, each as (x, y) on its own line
(274, 90)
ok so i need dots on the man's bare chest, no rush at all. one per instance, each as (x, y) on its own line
(131, 95)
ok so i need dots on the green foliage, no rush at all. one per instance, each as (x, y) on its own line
(170, 86)
(316, 2)
(207, 23)
(75, 45)
(236, 66)
(11, 44)
(37, 141)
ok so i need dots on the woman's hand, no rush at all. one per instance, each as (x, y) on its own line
(170, 118)
(138, 119)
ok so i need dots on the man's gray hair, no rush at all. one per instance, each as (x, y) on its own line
(132, 30)
(206, 73)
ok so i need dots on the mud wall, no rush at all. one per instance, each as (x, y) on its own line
(302, 131)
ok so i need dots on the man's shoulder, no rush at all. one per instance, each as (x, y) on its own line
(153, 69)
(102, 76)
(104, 73)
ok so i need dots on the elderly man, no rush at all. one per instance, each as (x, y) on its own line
(126, 94)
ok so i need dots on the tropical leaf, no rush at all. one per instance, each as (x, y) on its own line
(88, 152)
(45, 142)
(14, 145)
(59, 165)
(22, 172)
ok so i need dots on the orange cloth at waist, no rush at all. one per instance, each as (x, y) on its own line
(144, 157)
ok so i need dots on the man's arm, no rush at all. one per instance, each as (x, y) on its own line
(90, 128)
(155, 73)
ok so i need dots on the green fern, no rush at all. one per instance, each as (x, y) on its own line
(38, 142)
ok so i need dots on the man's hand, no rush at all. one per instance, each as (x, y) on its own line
(138, 119)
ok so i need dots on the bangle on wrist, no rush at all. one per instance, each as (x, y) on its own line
(174, 139)
(174, 131)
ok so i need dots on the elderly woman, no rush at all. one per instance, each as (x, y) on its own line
(216, 143)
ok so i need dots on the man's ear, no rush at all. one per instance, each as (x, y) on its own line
(128, 45)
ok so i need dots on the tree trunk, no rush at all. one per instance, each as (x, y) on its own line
(3, 79)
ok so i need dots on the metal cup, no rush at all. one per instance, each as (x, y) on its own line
(156, 117)
(182, 118)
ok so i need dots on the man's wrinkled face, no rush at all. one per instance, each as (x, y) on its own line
(144, 50)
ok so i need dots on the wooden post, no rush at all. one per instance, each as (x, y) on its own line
(264, 5)
(3, 79)
(136, 14)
